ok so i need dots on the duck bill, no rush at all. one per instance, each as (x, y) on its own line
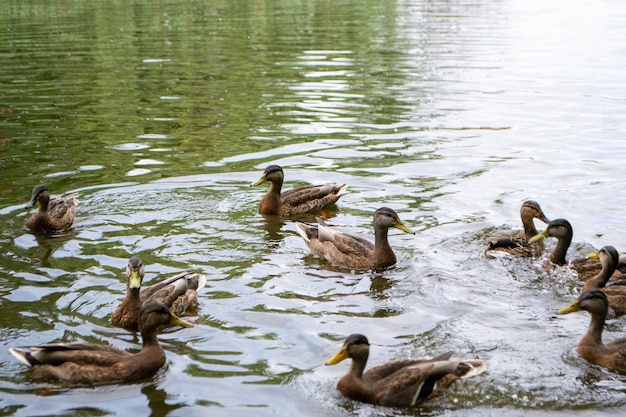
(32, 202)
(538, 236)
(402, 226)
(134, 280)
(259, 181)
(544, 219)
(177, 321)
(594, 255)
(343, 354)
(575, 306)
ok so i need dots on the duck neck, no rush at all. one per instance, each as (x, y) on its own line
(358, 366)
(529, 226)
(600, 280)
(560, 250)
(149, 337)
(596, 326)
(44, 202)
(381, 240)
(275, 186)
(381, 244)
(133, 294)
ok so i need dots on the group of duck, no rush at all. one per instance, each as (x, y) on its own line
(402, 382)
(603, 273)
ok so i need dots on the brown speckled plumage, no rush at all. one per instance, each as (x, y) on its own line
(298, 200)
(399, 383)
(351, 251)
(616, 294)
(179, 293)
(589, 266)
(611, 355)
(89, 363)
(517, 244)
(54, 215)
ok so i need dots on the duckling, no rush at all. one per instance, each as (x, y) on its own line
(612, 355)
(54, 215)
(299, 200)
(90, 363)
(342, 249)
(517, 244)
(399, 383)
(179, 293)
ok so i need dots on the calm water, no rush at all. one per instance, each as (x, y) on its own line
(160, 114)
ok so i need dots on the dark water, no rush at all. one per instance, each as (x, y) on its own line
(160, 114)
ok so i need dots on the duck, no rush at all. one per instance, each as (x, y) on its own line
(54, 215)
(612, 355)
(517, 244)
(179, 293)
(345, 250)
(586, 267)
(562, 230)
(91, 363)
(296, 201)
(590, 265)
(399, 383)
(616, 293)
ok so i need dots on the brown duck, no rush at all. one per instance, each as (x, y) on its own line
(562, 230)
(90, 363)
(350, 251)
(517, 244)
(298, 200)
(179, 293)
(589, 266)
(616, 294)
(54, 215)
(399, 383)
(586, 267)
(612, 355)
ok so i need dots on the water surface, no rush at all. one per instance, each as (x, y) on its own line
(160, 115)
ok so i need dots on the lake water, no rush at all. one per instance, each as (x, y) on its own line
(160, 114)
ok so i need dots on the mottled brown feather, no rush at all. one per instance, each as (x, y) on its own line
(88, 363)
(612, 355)
(398, 383)
(54, 215)
(517, 243)
(179, 293)
(298, 200)
(351, 251)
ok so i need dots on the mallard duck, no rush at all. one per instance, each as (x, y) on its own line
(350, 251)
(54, 215)
(399, 383)
(616, 294)
(178, 293)
(295, 201)
(589, 266)
(562, 230)
(517, 244)
(611, 355)
(89, 363)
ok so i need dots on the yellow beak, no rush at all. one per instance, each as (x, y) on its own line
(570, 308)
(539, 236)
(134, 281)
(177, 321)
(402, 226)
(260, 181)
(343, 354)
